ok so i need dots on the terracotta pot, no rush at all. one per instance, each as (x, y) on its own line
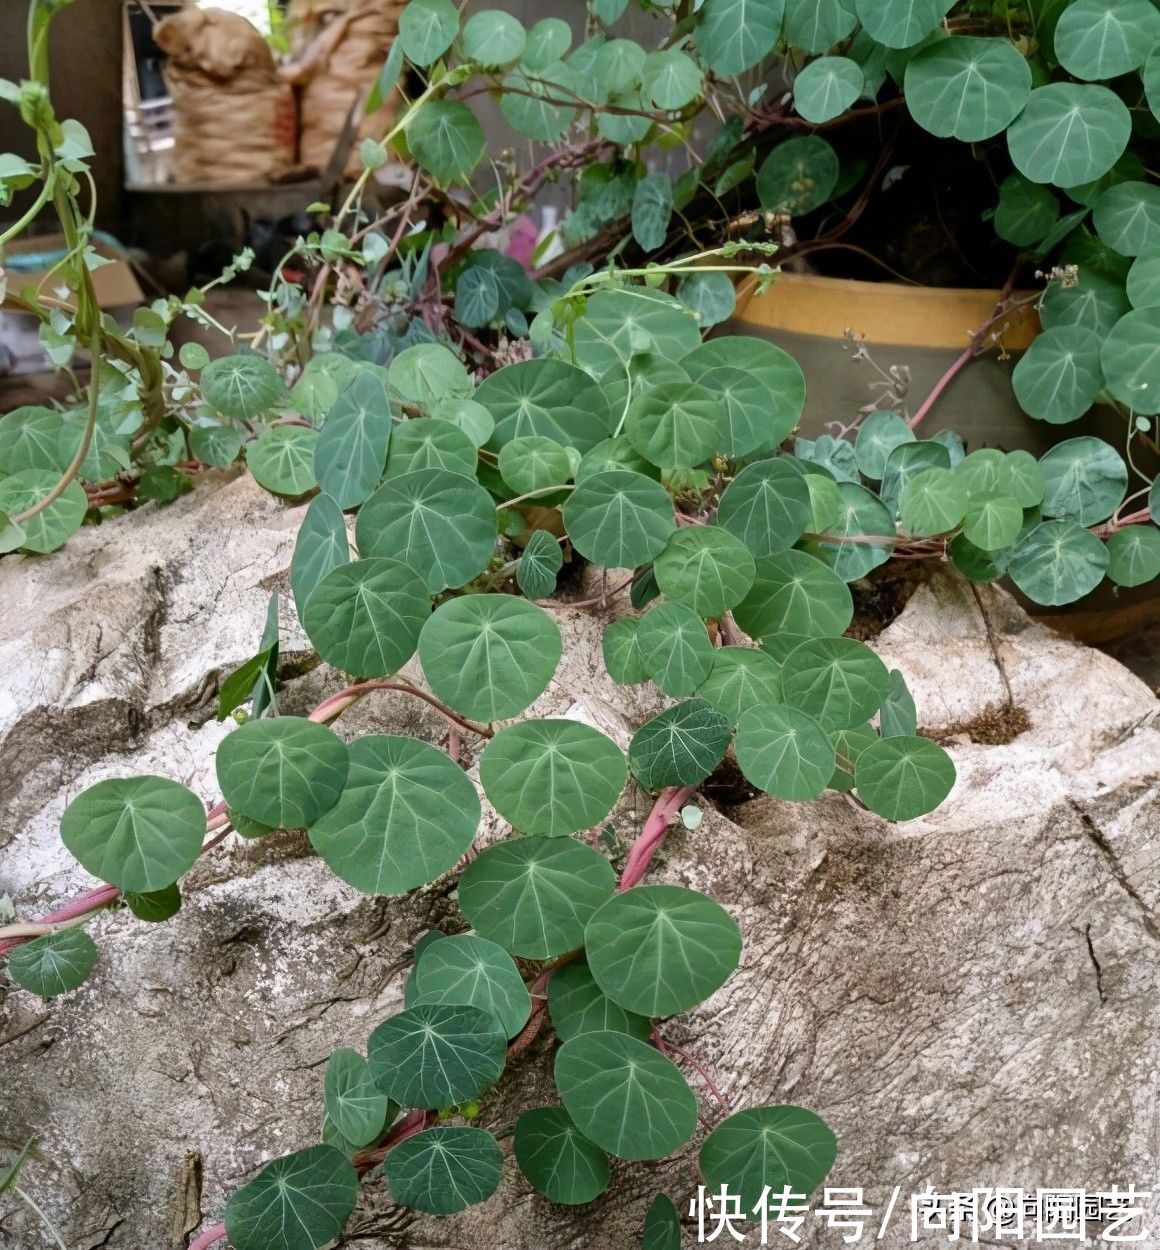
(924, 330)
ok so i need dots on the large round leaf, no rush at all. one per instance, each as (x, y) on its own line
(680, 747)
(53, 964)
(492, 37)
(1134, 555)
(534, 463)
(578, 1005)
(446, 139)
(619, 519)
(618, 325)
(1058, 562)
(1084, 479)
(546, 397)
(903, 777)
(433, 1055)
(284, 772)
(1058, 378)
(241, 386)
(742, 677)
(761, 386)
(675, 648)
(405, 816)
(784, 752)
(768, 1146)
(659, 949)
(445, 1169)
(489, 656)
(794, 593)
(552, 777)
(676, 425)
(733, 35)
(827, 87)
(356, 1108)
(1106, 38)
(281, 459)
(471, 971)
(440, 523)
(1069, 133)
(558, 1160)
(967, 88)
(431, 443)
(706, 568)
(798, 176)
(533, 896)
(1127, 216)
(365, 617)
(1130, 358)
(140, 833)
(900, 23)
(815, 25)
(767, 506)
(671, 78)
(52, 526)
(298, 1202)
(624, 1095)
(839, 681)
(862, 514)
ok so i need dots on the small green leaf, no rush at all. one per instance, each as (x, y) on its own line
(878, 436)
(798, 176)
(662, 1226)
(548, 40)
(352, 448)
(1069, 133)
(619, 519)
(533, 896)
(621, 650)
(815, 25)
(1058, 378)
(492, 38)
(156, 906)
(762, 387)
(1025, 212)
(1134, 555)
(901, 777)
(839, 681)
(299, 1202)
(652, 207)
(827, 87)
(578, 1005)
(285, 772)
(558, 1160)
(710, 297)
(427, 28)
(534, 463)
(900, 23)
(243, 387)
(1058, 562)
(784, 1148)
(322, 545)
(139, 833)
(238, 687)
(281, 459)
(898, 717)
(51, 527)
(861, 515)
(445, 137)
(356, 1108)
(428, 374)
(476, 297)
(734, 35)
(53, 964)
(625, 1096)
(657, 950)
(546, 397)
(993, 522)
(445, 1169)
(470, 971)
(1143, 281)
(539, 565)
(1127, 216)
(933, 502)
(679, 747)
(784, 752)
(705, 568)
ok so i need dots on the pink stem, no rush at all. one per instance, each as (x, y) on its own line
(1110, 527)
(941, 385)
(210, 1237)
(669, 802)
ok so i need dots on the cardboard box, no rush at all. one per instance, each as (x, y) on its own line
(29, 260)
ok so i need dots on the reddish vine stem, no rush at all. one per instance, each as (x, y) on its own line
(671, 1048)
(669, 802)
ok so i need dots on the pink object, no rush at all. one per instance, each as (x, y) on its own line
(522, 244)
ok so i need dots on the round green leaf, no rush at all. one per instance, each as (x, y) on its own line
(662, 1226)
(468, 414)
(546, 397)
(625, 1096)
(656, 950)
(468, 970)
(533, 462)
(621, 650)
(815, 25)
(1025, 212)
(706, 568)
(578, 1005)
(742, 677)
(861, 515)
(767, 506)
(558, 1160)
(446, 139)
(1130, 358)
(1058, 378)
(1134, 555)
(489, 656)
(1106, 38)
(710, 296)
(1058, 562)
(431, 443)
(281, 459)
(794, 593)
(839, 681)
(618, 325)
(784, 752)
(933, 502)
(406, 816)
(434, 1055)
(903, 777)
(827, 87)
(352, 448)
(365, 617)
(552, 777)
(733, 35)
(675, 648)
(548, 40)
(355, 1107)
(541, 561)
(428, 374)
(762, 387)
(138, 833)
(445, 1169)
(241, 386)
(492, 37)
(53, 964)
(967, 88)
(903, 464)
(533, 896)
(1127, 216)
(1094, 302)
(619, 519)
(1024, 478)
(1143, 281)
(993, 522)
(322, 545)
(680, 747)
(1069, 133)
(798, 176)
(427, 28)
(878, 436)
(51, 527)
(30, 438)
(285, 772)
(900, 23)
(440, 523)
(1084, 479)
(298, 1202)
(768, 1146)
(670, 79)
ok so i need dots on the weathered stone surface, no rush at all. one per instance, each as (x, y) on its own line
(970, 999)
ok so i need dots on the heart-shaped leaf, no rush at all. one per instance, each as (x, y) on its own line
(680, 747)
(445, 1169)
(53, 964)
(784, 752)
(778, 1147)
(468, 970)
(558, 1160)
(299, 1202)
(903, 777)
